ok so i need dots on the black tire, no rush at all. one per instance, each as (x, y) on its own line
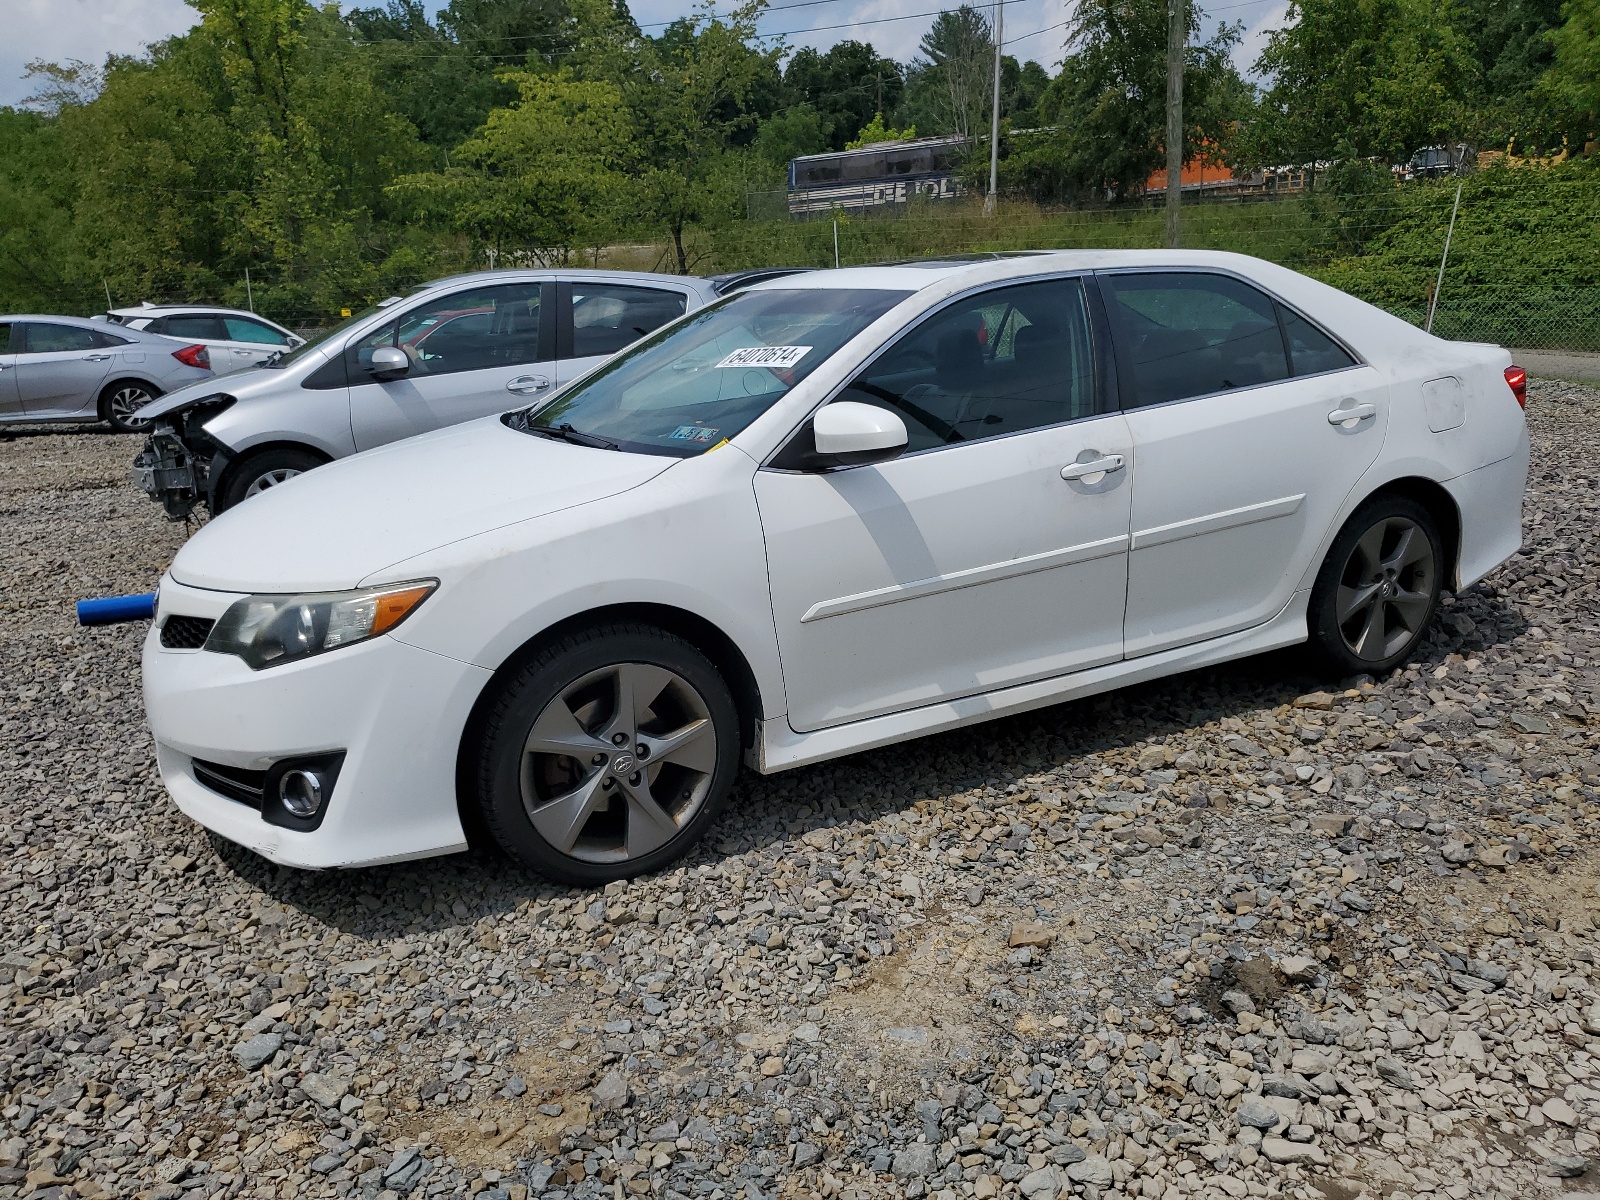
(599, 805)
(121, 398)
(258, 472)
(1376, 594)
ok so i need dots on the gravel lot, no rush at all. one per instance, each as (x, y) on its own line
(1242, 933)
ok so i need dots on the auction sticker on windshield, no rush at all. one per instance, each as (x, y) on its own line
(780, 357)
(693, 433)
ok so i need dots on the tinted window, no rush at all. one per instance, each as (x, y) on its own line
(5, 339)
(47, 339)
(103, 339)
(242, 329)
(1188, 335)
(687, 389)
(605, 317)
(200, 328)
(1311, 350)
(464, 331)
(1006, 360)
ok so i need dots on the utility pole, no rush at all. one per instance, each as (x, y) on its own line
(1177, 35)
(994, 120)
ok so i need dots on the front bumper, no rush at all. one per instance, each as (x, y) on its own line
(395, 711)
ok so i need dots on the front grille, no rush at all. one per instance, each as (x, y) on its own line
(185, 633)
(246, 787)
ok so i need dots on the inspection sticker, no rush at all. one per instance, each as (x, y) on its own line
(777, 357)
(693, 433)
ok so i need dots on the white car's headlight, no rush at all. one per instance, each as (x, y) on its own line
(268, 630)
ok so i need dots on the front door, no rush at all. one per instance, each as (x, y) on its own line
(473, 353)
(60, 367)
(1250, 426)
(600, 318)
(993, 552)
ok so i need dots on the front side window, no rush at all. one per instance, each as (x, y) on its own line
(1000, 362)
(242, 329)
(1190, 334)
(56, 339)
(606, 317)
(688, 388)
(464, 331)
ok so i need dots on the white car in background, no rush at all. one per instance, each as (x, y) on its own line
(235, 339)
(452, 350)
(828, 513)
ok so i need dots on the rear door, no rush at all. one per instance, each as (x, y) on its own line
(59, 368)
(599, 318)
(252, 342)
(10, 401)
(204, 329)
(1250, 426)
(475, 352)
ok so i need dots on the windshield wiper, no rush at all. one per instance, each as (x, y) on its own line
(566, 433)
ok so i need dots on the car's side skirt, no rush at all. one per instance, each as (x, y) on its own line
(779, 747)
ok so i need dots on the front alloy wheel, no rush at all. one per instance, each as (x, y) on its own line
(608, 755)
(1379, 587)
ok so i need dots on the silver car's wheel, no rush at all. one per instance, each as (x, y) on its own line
(269, 479)
(121, 402)
(1379, 586)
(619, 763)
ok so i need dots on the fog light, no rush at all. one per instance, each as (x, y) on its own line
(301, 792)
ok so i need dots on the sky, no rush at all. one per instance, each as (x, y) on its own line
(59, 30)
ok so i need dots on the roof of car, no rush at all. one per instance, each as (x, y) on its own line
(511, 274)
(926, 273)
(99, 324)
(148, 310)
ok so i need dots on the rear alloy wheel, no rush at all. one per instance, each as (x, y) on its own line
(1379, 587)
(264, 471)
(608, 756)
(121, 402)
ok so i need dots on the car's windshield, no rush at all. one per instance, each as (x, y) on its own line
(701, 381)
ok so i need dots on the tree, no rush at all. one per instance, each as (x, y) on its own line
(689, 93)
(845, 87)
(544, 175)
(948, 89)
(1573, 81)
(1107, 107)
(1362, 78)
(875, 132)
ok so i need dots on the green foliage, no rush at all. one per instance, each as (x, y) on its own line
(875, 131)
(1108, 106)
(1573, 82)
(949, 88)
(843, 86)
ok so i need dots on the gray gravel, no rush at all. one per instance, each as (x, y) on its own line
(1244, 933)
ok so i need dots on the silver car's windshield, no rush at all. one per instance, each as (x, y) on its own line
(701, 381)
(286, 357)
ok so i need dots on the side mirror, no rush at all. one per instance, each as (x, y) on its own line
(389, 362)
(855, 433)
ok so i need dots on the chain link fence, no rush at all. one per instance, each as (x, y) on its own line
(1523, 270)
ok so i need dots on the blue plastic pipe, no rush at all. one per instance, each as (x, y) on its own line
(113, 610)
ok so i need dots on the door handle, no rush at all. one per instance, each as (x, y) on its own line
(1103, 465)
(96, 357)
(1349, 418)
(523, 384)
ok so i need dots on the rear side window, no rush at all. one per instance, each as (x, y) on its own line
(5, 339)
(606, 317)
(55, 339)
(1190, 334)
(199, 327)
(103, 339)
(1311, 352)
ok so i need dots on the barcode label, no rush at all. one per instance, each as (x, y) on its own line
(776, 357)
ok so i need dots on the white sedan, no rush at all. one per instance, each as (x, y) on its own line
(833, 512)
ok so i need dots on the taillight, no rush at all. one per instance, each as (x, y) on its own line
(1517, 381)
(194, 356)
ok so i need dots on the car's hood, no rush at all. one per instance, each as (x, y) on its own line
(241, 385)
(330, 528)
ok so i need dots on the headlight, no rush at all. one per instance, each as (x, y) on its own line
(268, 630)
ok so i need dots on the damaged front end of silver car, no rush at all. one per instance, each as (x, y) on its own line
(180, 463)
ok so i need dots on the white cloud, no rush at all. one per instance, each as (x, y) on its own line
(57, 30)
